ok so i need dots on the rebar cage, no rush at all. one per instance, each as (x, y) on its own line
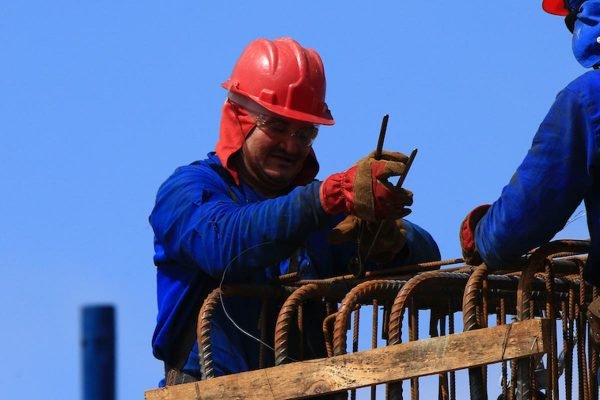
(413, 302)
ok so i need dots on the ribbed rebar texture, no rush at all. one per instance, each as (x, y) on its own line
(289, 310)
(381, 290)
(471, 303)
(205, 316)
(203, 333)
(395, 323)
(439, 277)
(328, 323)
(549, 284)
(537, 262)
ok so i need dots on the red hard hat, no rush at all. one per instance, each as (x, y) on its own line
(283, 77)
(556, 7)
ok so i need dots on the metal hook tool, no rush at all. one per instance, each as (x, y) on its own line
(357, 264)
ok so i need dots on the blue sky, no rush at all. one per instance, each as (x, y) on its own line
(101, 100)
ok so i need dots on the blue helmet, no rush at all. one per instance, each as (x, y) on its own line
(583, 19)
(586, 34)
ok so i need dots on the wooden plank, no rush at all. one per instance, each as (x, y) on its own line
(382, 365)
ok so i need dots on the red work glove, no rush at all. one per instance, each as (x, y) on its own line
(364, 191)
(381, 249)
(467, 235)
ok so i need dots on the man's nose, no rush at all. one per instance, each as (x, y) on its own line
(290, 143)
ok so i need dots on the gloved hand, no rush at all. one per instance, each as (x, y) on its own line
(467, 235)
(390, 240)
(364, 191)
(593, 317)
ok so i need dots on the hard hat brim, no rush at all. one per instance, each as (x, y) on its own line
(555, 7)
(238, 96)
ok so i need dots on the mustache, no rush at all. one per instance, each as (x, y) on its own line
(285, 154)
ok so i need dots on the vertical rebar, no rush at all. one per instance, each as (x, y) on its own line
(474, 308)
(522, 381)
(328, 333)
(570, 334)
(413, 332)
(512, 393)
(484, 324)
(565, 334)
(444, 390)
(387, 309)
(355, 330)
(552, 359)
(502, 321)
(580, 372)
(385, 335)
(582, 333)
(203, 333)
(301, 331)
(374, 324)
(451, 332)
(593, 357)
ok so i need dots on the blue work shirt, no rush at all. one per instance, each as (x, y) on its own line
(206, 226)
(559, 171)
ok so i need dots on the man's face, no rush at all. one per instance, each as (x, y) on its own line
(275, 150)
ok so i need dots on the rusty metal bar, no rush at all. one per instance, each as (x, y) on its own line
(328, 333)
(355, 330)
(413, 329)
(384, 291)
(552, 359)
(289, 310)
(208, 308)
(443, 378)
(395, 323)
(381, 290)
(203, 334)
(502, 321)
(546, 286)
(537, 262)
(451, 331)
(403, 272)
(472, 298)
(374, 325)
(448, 278)
(593, 351)
(581, 337)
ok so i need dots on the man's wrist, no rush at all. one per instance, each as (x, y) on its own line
(468, 232)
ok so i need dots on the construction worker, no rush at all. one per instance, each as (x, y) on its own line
(559, 171)
(253, 210)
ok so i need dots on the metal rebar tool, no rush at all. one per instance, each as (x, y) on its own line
(357, 264)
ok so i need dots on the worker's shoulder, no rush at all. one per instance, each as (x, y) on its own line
(583, 92)
(197, 175)
(588, 82)
(210, 166)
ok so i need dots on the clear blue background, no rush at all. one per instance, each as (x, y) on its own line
(101, 100)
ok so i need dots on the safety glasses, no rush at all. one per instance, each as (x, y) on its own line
(275, 127)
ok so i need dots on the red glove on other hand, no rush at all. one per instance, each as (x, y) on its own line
(467, 235)
(364, 191)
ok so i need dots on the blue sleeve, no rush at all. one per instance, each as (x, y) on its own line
(546, 188)
(198, 222)
(420, 246)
